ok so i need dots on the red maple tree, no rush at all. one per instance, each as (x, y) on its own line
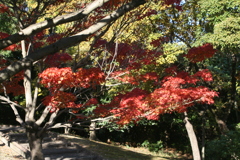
(176, 94)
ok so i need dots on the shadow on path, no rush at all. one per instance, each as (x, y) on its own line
(111, 152)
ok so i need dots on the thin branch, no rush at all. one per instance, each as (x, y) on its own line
(62, 125)
(52, 118)
(18, 118)
(118, 75)
(49, 123)
(112, 64)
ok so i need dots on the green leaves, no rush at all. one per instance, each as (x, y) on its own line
(221, 24)
(228, 145)
(216, 11)
(227, 33)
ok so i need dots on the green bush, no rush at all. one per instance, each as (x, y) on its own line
(225, 147)
(153, 147)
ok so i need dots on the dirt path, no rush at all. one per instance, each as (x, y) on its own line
(113, 152)
(72, 147)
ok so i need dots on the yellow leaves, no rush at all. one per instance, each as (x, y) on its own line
(170, 53)
(151, 38)
(84, 46)
(31, 3)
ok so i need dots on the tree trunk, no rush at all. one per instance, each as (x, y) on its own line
(203, 135)
(193, 139)
(221, 122)
(222, 125)
(35, 144)
(92, 131)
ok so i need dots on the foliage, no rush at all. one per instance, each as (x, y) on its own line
(213, 10)
(171, 52)
(58, 79)
(227, 33)
(6, 25)
(170, 97)
(153, 147)
(228, 145)
(221, 28)
(198, 54)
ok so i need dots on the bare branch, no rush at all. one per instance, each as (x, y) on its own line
(112, 64)
(18, 118)
(52, 119)
(43, 116)
(62, 125)
(50, 122)
(11, 102)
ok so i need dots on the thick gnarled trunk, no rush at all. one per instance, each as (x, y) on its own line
(35, 144)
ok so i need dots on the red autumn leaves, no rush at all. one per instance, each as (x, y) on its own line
(198, 54)
(3, 8)
(13, 85)
(59, 79)
(55, 60)
(56, 78)
(176, 93)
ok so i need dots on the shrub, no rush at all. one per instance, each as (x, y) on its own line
(153, 147)
(225, 147)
